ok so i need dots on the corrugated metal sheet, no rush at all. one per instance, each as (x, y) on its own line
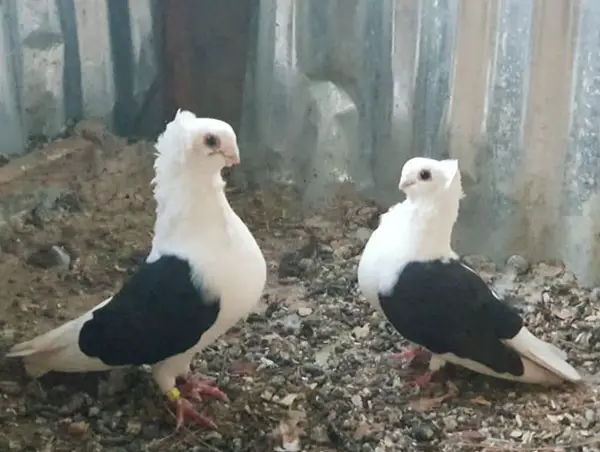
(350, 89)
(345, 90)
(64, 60)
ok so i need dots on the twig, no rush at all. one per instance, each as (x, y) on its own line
(573, 408)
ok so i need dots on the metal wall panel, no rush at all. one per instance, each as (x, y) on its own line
(344, 91)
(350, 89)
(64, 60)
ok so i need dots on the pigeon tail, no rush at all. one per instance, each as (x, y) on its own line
(57, 350)
(543, 354)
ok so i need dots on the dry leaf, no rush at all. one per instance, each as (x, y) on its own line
(426, 404)
(563, 314)
(474, 436)
(481, 401)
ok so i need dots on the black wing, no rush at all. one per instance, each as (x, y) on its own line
(447, 308)
(158, 313)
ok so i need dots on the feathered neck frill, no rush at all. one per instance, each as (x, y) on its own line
(186, 201)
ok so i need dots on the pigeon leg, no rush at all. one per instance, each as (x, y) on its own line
(409, 355)
(186, 411)
(423, 380)
(194, 389)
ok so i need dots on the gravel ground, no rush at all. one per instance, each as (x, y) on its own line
(310, 370)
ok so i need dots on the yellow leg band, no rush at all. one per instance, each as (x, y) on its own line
(174, 395)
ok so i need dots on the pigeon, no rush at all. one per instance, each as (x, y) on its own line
(204, 273)
(409, 271)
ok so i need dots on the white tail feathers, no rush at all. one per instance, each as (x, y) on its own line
(57, 350)
(46, 342)
(543, 354)
(557, 351)
(543, 363)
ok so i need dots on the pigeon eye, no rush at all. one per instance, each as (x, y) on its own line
(211, 141)
(425, 174)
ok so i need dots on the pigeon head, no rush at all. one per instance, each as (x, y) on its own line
(423, 178)
(196, 145)
(190, 155)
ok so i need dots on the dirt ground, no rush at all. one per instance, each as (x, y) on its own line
(310, 370)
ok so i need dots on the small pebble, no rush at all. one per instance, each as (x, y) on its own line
(361, 332)
(133, 428)
(357, 401)
(292, 323)
(518, 263)
(306, 263)
(590, 415)
(450, 423)
(422, 432)
(48, 257)
(343, 252)
(363, 234)
(78, 428)
(304, 311)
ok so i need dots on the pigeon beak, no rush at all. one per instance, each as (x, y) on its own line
(232, 158)
(235, 160)
(404, 184)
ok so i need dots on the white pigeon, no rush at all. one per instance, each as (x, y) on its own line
(204, 273)
(409, 270)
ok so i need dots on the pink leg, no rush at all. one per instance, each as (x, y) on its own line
(185, 411)
(423, 380)
(195, 389)
(409, 355)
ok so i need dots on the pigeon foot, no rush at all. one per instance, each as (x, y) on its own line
(196, 389)
(186, 412)
(409, 355)
(423, 380)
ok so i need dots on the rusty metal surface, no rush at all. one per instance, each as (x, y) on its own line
(207, 46)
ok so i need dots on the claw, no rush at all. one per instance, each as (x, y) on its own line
(194, 388)
(185, 411)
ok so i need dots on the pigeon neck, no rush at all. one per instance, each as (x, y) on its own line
(191, 205)
(434, 221)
